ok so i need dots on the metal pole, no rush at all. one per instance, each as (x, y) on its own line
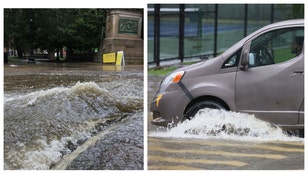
(199, 19)
(245, 19)
(181, 32)
(272, 13)
(157, 34)
(215, 30)
(31, 58)
(31, 35)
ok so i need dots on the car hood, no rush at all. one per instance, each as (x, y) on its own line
(207, 67)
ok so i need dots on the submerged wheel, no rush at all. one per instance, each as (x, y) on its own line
(191, 112)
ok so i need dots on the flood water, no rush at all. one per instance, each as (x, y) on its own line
(73, 116)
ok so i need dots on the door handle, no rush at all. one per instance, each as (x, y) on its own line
(297, 73)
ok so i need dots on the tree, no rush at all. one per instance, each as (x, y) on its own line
(80, 30)
(292, 11)
(298, 11)
(17, 25)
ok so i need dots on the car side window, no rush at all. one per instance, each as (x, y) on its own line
(276, 46)
(233, 60)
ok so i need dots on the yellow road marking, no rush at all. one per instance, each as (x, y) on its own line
(223, 153)
(172, 168)
(258, 146)
(65, 161)
(201, 161)
(288, 143)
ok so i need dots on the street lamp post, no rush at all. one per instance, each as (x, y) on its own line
(31, 57)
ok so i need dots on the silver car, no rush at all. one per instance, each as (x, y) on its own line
(263, 74)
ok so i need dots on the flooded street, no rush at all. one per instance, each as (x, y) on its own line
(73, 116)
(221, 140)
(220, 154)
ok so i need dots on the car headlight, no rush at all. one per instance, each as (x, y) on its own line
(174, 77)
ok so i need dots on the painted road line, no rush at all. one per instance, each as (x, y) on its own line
(216, 152)
(66, 160)
(173, 168)
(198, 161)
(287, 143)
(219, 144)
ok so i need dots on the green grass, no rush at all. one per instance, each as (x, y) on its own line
(13, 58)
(194, 46)
(161, 72)
(165, 70)
(282, 55)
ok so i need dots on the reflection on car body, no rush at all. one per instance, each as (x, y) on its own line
(262, 74)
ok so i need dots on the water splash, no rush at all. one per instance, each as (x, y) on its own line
(209, 123)
(42, 126)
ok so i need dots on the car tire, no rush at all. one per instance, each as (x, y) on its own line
(191, 112)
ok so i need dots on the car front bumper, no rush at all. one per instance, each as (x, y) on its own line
(168, 107)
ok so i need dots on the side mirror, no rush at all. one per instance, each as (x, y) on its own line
(245, 61)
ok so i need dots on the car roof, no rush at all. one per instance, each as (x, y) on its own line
(284, 23)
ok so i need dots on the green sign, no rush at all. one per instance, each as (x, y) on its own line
(128, 26)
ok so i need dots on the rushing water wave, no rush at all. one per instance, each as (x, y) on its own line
(209, 123)
(41, 127)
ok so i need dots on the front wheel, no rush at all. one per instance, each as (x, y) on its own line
(192, 111)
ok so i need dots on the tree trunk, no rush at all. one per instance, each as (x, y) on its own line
(58, 56)
(6, 58)
(19, 52)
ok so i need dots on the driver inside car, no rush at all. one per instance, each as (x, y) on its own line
(297, 45)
